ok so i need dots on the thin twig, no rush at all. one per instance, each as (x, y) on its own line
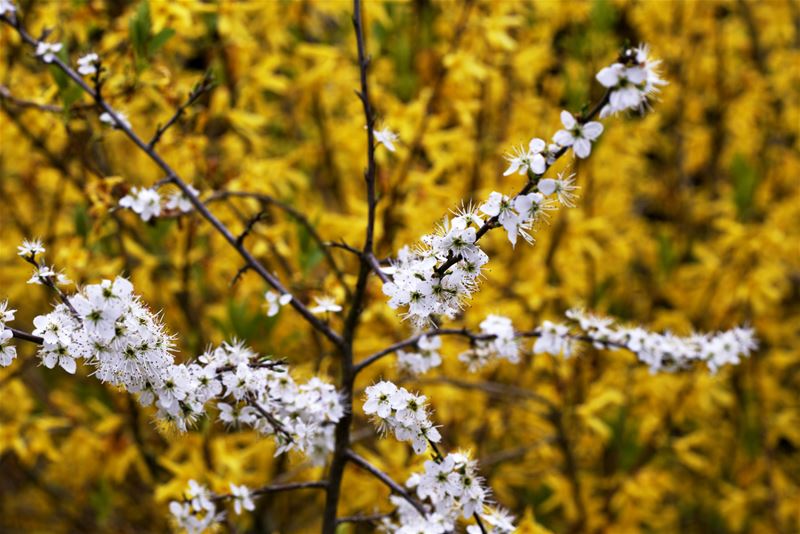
(5, 94)
(276, 424)
(293, 213)
(357, 303)
(473, 337)
(204, 85)
(260, 216)
(201, 208)
(243, 269)
(25, 336)
(386, 479)
(275, 488)
(364, 518)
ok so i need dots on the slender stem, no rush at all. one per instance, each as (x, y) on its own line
(342, 443)
(376, 266)
(293, 213)
(410, 342)
(173, 177)
(533, 179)
(271, 419)
(25, 336)
(199, 89)
(5, 94)
(275, 488)
(386, 479)
(372, 518)
(474, 336)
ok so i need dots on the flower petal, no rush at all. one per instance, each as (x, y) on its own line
(592, 130)
(567, 120)
(582, 148)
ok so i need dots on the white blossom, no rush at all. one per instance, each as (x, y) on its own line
(386, 137)
(30, 248)
(44, 272)
(7, 352)
(577, 135)
(275, 301)
(198, 512)
(107, 118)
(47, 51)
(87, 65)
(426, 356)
(406, 415)
(521, 160)
(325, 305)
(7, 6)
(631, 84)
(659, 351)
(242, 498)
(454, 489)
(553, 339)
(497, 341)
(562, 187)
(178, 201)
(145, 202)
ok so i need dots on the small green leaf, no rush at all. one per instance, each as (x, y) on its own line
(80, 218)
(139, 30)
(159, 40)
(310, 253)
(745, 180)
(667, 257)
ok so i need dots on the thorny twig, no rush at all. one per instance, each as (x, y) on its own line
(201, 208)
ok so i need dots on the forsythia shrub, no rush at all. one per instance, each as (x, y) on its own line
(288, 307)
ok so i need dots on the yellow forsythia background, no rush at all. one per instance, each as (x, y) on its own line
(688, 218)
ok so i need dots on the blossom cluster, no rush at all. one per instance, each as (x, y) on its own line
(197, 512)
(403, 413)
(110, 328)
(450, 488)
(7, 352)
(147, 202)
(497, 340)
(631, 82)
(421, 285)
(452, 484)
(660, 351)
(7, 6)
(301, 416)
(426, 356)
(420, 282)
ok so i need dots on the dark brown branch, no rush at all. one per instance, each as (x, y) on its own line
(243, 269)
(342, 443)
(277, 425)
(386, 479)
(49, 282)
(293, 213)
(473, 337)
(5, 94)
(364, 518)
(344, 246)
(25, 336)
(203, 86)
(275, 488)
(260, 216)
(201, 208)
